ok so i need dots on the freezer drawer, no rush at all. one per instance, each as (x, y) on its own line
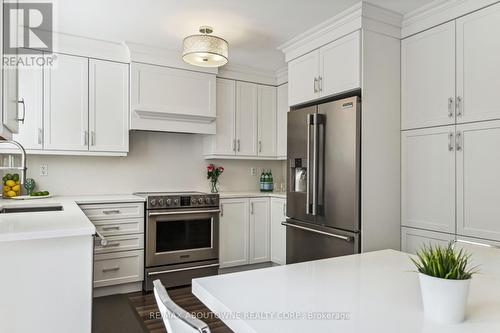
(306, 242)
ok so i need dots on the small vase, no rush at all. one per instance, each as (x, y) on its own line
(444, 300)
(214, 186)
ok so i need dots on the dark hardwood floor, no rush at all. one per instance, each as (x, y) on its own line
(138, 313)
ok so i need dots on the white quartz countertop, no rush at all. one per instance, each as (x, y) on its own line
(251, 194)
(70, 221)
(371, 292)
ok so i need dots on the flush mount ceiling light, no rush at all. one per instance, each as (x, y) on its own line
(205, 50)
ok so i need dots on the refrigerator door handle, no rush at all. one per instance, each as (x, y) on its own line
(346, 238)
(314, 170)
(308, 164)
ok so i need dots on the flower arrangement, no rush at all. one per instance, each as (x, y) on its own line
(213, 174)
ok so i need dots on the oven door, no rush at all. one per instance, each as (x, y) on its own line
(174, 237)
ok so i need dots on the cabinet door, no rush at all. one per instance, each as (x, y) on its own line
(246, 119)
(10, 74)
(234, 232)
(224, 141)
(478, 184)
(260, 250)
(478, 65)
(428, 179)
(428, 78)
(31, 90)
(278, 231)
(108, 107)
(281, 122)
(267, 121)
(66, 104)
(303, 74)
(340, 65)
(412, 240)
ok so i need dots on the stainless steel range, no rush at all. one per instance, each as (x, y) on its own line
(182, 237)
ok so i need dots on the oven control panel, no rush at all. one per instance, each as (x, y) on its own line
(182, 201)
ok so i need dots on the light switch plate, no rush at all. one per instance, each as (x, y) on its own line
(44, 170)
(253, 171)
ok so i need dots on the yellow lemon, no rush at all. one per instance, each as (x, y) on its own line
(11, 194)
(18, 182)
(10, 183)
(6, 188)
(16, 188)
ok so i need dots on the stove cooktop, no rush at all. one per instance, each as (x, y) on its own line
(179, 200)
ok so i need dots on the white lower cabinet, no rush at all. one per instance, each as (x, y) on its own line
(412, 240)
(245, 234)
(278, 231)
(234, 232)
(118, 267)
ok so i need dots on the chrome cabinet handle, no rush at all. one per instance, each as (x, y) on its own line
(111, 245)
(238, 141)
(346, 238)
(260, 146)
(92, 138)
(24, 110)
(459, 141)
(320, 83)
(110, 228)
(85, 138)
(234, 145)
(40, 136)
(221, 209)
(450, 141)
(112, 269)
(450, 107)
(458, 106)
(251, 208)
(315, 84)
(111, 211)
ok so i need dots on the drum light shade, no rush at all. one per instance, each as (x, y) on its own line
(205, 50)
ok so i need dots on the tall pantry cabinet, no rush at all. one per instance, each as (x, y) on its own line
(451, 130)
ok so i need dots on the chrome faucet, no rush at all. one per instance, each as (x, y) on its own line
(22, 168)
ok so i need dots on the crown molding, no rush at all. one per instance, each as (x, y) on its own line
(282, 76)
(247, 73)
(438, 12)
(362, 15)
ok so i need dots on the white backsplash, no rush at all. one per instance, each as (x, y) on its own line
(156, 162)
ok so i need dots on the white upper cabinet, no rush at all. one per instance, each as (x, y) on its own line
(282, 118)
(224, 142)
(246, 118)
(267, 121)
(478, 183)
(172, 100)
(31, 90)
(428, 78)
(340, 65)
(260, 250)
(428, 179)
(303, 76)
(278, 231)
(66, 104)
(478, 65)
(108, 107)
(234, 229)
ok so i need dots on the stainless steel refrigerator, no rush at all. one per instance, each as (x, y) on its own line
(323, 193)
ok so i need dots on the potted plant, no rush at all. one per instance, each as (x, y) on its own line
(445, 276)
(213, 174)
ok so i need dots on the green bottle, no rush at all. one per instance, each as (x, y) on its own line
(262, 187)
(271, 181)
(266, 181)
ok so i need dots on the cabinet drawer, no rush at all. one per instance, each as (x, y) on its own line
(117, 268)
(121, 243)
(120, 227)
(114, 211)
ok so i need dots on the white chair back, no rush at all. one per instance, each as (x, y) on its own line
(175, 318)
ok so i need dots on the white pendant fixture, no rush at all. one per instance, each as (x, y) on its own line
(205, 50)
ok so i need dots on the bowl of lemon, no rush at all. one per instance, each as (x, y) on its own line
(11, 185)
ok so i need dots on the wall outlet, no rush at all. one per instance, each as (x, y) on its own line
(253, 171)
(44, 170)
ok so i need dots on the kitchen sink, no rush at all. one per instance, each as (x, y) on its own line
(29, 209)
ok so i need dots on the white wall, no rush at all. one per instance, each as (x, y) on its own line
(156, 162)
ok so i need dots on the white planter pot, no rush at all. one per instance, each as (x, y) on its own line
(444, 300)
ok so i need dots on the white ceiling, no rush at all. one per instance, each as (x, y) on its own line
(253, 28)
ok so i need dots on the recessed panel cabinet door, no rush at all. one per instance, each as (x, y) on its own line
(246, 118)
(224, 141)
(66, 104)
(412, 240)
(234, 228)
(428, 78)
(260, 250)
(303, 74)
(267, 121)
(108, 109)
(278, 231)
(428, 179)
(31, 90)
(281, 125)
(478, 181)
(478, 65)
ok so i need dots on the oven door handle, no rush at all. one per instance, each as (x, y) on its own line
(184, 212)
